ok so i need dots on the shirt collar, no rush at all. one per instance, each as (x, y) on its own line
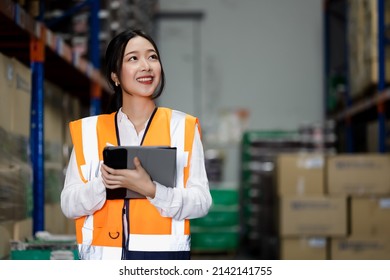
(121, 116)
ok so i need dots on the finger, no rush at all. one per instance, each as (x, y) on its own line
(108, 183)
(103, 170)
(117, 176)
(137, 163)
(112, 187)
(105, 174)
(108, 170)
(104, 167)
(111, 183)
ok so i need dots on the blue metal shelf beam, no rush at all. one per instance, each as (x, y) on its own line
(37, 134)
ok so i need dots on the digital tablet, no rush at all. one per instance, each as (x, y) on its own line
(158, 161)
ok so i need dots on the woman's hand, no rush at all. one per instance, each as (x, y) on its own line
(137, 179)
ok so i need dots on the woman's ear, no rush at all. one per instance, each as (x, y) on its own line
(114, 77)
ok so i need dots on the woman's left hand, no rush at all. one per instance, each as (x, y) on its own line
(137, 179)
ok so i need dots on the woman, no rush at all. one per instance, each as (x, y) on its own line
(156, 227)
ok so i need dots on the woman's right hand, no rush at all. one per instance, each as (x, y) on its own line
(137, 179)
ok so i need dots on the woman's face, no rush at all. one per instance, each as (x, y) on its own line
(141, 68)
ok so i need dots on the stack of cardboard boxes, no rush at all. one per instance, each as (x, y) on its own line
(15, 167)
(16, 185)
(334, 206)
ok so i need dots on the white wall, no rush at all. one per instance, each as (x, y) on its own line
(264, 56)
(261, 55)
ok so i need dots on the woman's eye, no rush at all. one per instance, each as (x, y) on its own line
(132, 58)
(154, 57)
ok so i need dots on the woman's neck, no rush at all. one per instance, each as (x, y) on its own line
(138, 113)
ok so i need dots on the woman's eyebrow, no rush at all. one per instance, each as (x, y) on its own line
(148, 50)
(131, 52)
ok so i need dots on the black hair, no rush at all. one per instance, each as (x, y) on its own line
(113, 64)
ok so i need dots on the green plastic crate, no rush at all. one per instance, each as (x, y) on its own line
(219, 216)
(45, 249)
(215, 240)
(225, 196)
(36, 254)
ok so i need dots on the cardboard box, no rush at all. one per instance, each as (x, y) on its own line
(354, 248)
(358, 174)
(54, 122)
(70, 226)
(370, 216)
(23, 229)
(300, 174)
(362, 40)
(20, 115)
(313, 216)
(304, 248)
(55, 221)
(7, 86)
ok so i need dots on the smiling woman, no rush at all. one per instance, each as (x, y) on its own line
(154, 227)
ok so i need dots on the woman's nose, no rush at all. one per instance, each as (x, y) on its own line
(145, 65)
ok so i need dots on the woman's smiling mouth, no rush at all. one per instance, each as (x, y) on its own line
(145, 80)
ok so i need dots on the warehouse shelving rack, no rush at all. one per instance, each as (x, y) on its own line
(368, 108)
(49, 57)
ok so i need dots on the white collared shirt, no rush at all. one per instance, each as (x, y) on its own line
(80, 199)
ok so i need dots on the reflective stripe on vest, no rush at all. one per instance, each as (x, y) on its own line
(91, 158)
(177, 140)
(181, 132)
(90, 147)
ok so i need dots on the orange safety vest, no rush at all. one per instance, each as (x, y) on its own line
(149, 231)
